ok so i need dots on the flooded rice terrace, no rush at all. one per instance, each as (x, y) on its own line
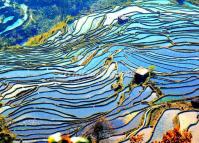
(88, 72)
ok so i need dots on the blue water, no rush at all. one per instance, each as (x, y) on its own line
(44, 90)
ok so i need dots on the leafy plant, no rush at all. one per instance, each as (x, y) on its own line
(151, 68)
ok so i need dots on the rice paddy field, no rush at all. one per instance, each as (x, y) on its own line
(86, 72)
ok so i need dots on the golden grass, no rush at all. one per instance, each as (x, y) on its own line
(42, 38)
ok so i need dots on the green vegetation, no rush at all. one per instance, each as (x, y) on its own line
(151, 68)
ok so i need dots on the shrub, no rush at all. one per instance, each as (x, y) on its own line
(176, 136)
(136, 139)
(5, 135)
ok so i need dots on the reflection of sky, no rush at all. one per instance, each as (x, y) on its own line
(8, 19)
